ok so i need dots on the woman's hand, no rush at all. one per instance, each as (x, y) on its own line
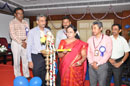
(64, 52)
(61, 54)
(78, 63)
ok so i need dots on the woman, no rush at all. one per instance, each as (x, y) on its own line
(72, 66)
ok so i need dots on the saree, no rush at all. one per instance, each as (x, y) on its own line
(72, 75)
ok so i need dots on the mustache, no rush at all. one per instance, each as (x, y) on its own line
(113, 32)
(44, 24)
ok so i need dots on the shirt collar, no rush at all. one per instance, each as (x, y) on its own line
(64, 30)
(18, 20)
(117, 37)
(99, 37)
(45, 29)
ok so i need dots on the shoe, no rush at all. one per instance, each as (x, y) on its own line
(28, 78)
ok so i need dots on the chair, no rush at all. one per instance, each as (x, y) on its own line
(8, 53)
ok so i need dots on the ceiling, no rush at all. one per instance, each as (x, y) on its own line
(62, 7)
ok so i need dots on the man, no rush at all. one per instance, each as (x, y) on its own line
(99, 51)
(34, 47)
(108, 32)
(18, 31)
(120, 53)
(61, 34)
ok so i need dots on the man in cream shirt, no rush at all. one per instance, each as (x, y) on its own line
(120, 53)
(61, 34)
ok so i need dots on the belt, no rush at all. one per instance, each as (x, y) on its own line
(37, 54)
(23, 39)
(118, 60)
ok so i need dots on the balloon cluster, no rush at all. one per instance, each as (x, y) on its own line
(127, 26)
(22, 81)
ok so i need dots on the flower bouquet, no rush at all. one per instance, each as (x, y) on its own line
(2, 48)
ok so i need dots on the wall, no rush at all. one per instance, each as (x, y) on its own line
(87, 17)
(97, 15)
(124, 22)
(4, 25)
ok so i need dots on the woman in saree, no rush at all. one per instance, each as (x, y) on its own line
(72, 66)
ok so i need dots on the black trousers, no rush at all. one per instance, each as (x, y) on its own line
(116, 72)
(39, 66)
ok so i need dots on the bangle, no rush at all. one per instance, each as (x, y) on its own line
(122, 61)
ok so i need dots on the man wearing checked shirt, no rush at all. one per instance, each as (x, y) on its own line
(18, 32)
(99, 51)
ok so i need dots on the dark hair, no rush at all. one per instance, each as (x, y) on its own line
(98, 23)
(74, 29)
(119, 26)
(18, 9)
(66, 17)
(108, 30)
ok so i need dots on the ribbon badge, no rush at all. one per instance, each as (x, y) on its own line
(102, 49)
(27, 30)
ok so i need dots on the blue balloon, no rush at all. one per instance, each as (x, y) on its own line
(21, 81)
(127, 26)
(35, 81)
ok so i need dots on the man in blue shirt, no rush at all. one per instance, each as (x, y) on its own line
(34, 47)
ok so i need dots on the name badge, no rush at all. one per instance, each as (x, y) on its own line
(96, 53)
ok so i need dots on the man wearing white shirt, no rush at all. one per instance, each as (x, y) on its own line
(120, 53)
(61, 34)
